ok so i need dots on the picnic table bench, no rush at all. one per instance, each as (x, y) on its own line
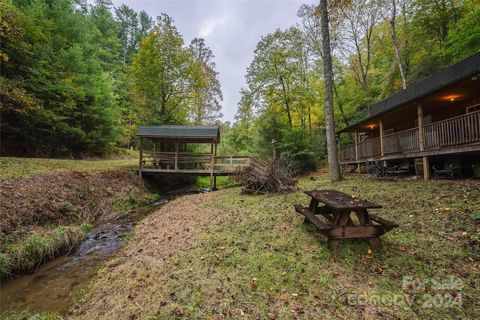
(337, 223)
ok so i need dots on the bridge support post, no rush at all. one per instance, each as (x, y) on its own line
(176, 156)
(140, 157)
(212, 166)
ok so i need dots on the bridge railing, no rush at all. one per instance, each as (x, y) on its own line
(231, 163)
(192, 161)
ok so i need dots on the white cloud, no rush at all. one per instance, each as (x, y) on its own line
(209, 25)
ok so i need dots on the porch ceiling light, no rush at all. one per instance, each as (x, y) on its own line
(452, 97)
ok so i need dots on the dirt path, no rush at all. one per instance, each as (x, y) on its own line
(168, 232)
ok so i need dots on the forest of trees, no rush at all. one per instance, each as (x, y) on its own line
(78, 77)
(379, 47)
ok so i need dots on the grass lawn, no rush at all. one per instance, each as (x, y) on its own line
(22, 167)
(241, 256)
(204, 182)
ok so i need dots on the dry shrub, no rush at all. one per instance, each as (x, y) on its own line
(267, 175)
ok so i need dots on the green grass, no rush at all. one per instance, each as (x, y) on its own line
(26, 253)
(270, 264)
(26, 315)
(204, 182)
(134, 199)
(264, 263)
(23, 167)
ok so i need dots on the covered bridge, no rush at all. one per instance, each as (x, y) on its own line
(169, 149)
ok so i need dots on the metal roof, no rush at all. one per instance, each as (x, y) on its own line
(181, 133)
(439, 80)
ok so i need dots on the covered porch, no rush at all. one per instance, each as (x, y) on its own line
(437, 116)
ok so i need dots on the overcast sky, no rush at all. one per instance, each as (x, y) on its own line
(231, 28)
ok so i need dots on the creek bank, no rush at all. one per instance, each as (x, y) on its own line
(44, 216)
(52, 288)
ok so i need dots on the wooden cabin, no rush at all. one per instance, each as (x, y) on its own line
(166, 149)
(430, 125)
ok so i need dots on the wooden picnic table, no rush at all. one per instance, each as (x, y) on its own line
(337, 222)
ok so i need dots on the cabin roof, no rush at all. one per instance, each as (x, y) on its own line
(437, 81)
(179, 133)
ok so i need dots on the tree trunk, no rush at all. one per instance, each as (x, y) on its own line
(328, 75)
(287, 106)
(396, 49)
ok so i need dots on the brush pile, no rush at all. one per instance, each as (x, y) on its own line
(266, 176)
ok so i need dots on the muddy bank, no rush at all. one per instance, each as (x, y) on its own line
(56, 283)
(47, 215)
(63, 198)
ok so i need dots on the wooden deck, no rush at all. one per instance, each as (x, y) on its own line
(454, 135)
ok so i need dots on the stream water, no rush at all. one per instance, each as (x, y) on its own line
(51, 287)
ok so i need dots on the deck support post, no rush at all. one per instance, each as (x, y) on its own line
(140, 157)
(421, 143)
(176, 156)
(426, 168)
(356, 151)
(382, 148)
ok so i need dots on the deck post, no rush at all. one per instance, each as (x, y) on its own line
(421, 143)
(382, 147)
(356, 150)
(420, 127)
(426, 168)
(140, 157)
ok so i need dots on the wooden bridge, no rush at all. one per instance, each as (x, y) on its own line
(165, 150)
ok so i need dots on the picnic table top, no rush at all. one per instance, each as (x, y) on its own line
(341, 201)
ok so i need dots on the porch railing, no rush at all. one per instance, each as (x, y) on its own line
(369, 148)
(347, 153)
(456, 131)
(452, 132)
(401, 142)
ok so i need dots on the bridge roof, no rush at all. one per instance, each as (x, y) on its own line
(177, 133)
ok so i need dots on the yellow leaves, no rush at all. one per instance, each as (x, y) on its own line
(369, 254)
(254, 283)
